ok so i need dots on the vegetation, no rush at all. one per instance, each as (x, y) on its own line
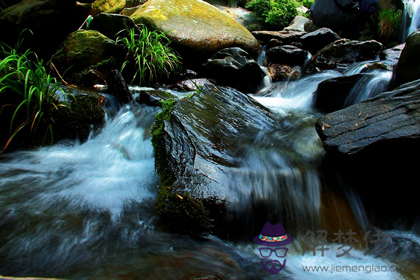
(389, 22)
(276, 13)
(151, 54)
(24, 77)
(307, 3)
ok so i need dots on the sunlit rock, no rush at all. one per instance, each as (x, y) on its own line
(195, 26)
(107, 6)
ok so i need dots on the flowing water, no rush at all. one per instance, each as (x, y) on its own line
(86, 211)
(411, 18)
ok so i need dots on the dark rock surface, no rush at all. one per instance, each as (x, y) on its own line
(408, 67)
(236, 68)
(342, 53)
(331, 94)
(287, 54)
(388, 120)
(316, 40)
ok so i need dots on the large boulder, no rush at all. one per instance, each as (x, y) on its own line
(236, 68)
(408, 67)
(389, 121)
(195, 27)
(84, 50)
(107, 6)
(373, 146)
(50, 22)
(222, 151)
(340, 54)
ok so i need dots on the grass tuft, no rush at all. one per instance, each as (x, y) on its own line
(25, 76)
(149, 56)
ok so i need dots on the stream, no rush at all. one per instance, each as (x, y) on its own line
(86, 211)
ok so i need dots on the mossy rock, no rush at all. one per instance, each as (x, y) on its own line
(107, 6)
(84, 50)
(181, 211)
(196, 27)
(82, 115)
(77, 121)
(408, 67)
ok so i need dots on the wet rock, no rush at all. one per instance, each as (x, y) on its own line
(387, 121)
(78, 121)
(196, 147)
(298, 24)
(392, 54)
(331, 95)
(84, 50)
(112, 25)
(92, 78)
(152, 97)
(286, 36)
(280, 72)
(50, 21)
(316, 40)
(107, 6)
(408, 67)
(192, 84)
(212, 147)
(236, 68)
(118, 87)
(342, 53)
(373, 147)
(195, 27)
(287, 54)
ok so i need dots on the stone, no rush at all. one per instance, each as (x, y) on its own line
(388, 121)
(408, 66)
(342, 53)
(392, 54)
(117, 87)
(84, 50)
(112, 25)
(331, 94)
(373, 146)
(298, 24)
(279, 72)
(286, 36)
(236, 68)
(191, 84)
(107, 6)
(212, 146)
(316, 40)
(287, 54)
(195, 27)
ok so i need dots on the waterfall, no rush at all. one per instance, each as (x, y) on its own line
(411, 18)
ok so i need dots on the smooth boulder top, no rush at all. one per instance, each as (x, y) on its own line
(195, 25)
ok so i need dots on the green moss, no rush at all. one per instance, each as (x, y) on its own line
(178, 208)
